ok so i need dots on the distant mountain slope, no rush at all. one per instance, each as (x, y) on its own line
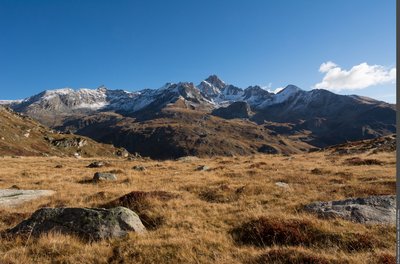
(22, 136)
(178, 132)
(317, 117)
(331, 118)
(370, 146)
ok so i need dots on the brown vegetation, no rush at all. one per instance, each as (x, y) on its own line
(223, 215)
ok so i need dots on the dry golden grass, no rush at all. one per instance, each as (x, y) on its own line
(197, 221)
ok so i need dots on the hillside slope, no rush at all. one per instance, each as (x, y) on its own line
(21, 135)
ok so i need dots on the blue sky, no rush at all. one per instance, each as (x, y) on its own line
(131, 45)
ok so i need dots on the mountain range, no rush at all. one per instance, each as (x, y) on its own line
(211, 118)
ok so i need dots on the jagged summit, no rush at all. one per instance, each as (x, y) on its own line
(212, 92)
(215, 81)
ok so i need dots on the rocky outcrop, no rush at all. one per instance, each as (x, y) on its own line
(77, 142)
(86, 223)
(370, 210)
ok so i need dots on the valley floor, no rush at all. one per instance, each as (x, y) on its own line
(198, 217)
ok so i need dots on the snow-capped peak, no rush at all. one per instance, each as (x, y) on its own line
(61, 91)
(286, 93)
(290, 89)
(215, 81)
(165, 86)
(209, 89)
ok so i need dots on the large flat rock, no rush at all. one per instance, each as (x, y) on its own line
(369, 210)
(15, 197)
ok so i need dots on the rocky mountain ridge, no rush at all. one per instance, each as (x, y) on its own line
(317, 118)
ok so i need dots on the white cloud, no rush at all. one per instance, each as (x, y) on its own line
(358, 77)
(326, 66)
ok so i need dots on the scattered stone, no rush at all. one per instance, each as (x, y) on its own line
(15, 196)
(134, 156)
(104, 176)
(77, 155)
(370, 210)
(282, 185)
(122, 153)
(203, 168)
(188, 159)
(88, 223)
(96, 164)
(138, 168)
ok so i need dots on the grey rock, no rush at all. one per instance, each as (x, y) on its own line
(87, 223)
(96, 164)
(282, 185)
(203, 168)
(14, 197)
(138, 168)
(122, 153)
(369, 210)
(104, 176)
